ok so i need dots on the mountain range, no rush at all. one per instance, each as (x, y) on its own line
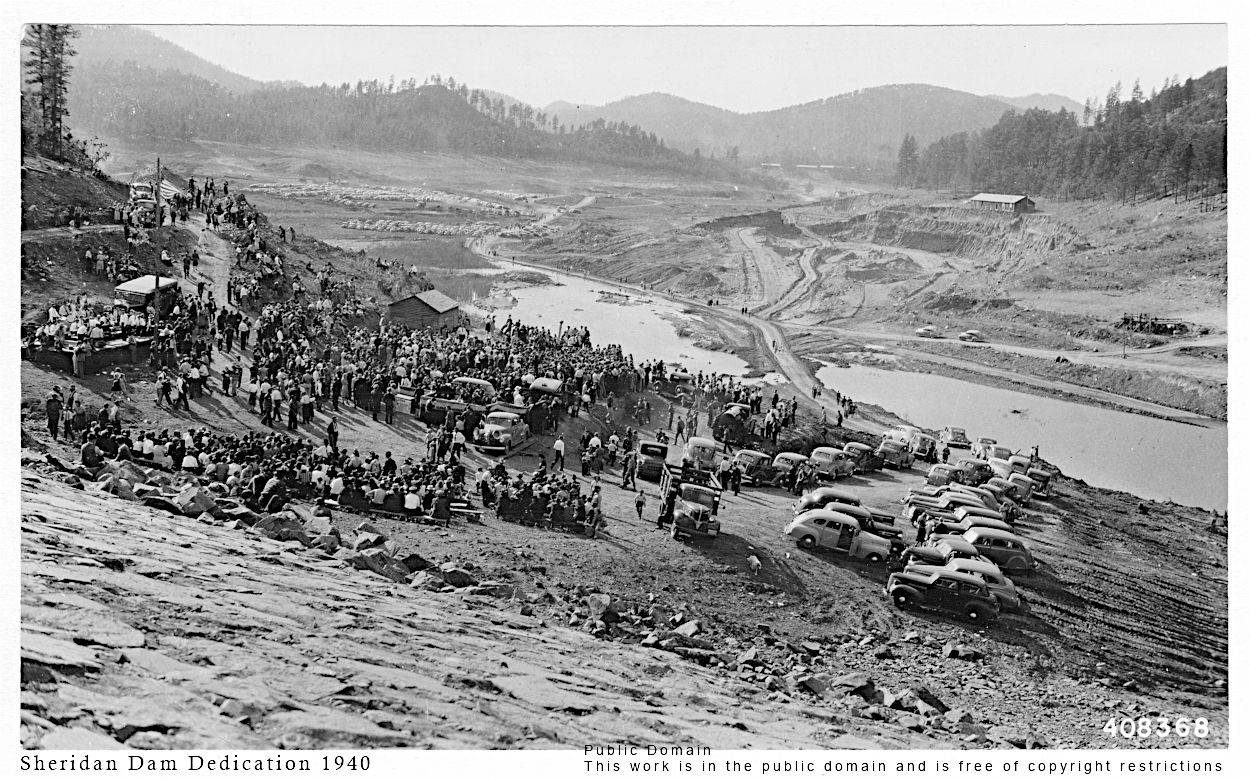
(863, 127)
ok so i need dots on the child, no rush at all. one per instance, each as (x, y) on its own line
(640, 503)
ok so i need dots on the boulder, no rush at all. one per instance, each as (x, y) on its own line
(689, 628)
(367, 539)
(857, 684)
(415, 562)
(749, 657)
(326, 542)
(111, 483)
(283, 527)
(318, 525)
(193, 499)
(375, 560)
(369, 528)
(157, 501)
(456, 576)
(427, 580)
(815, 683)
(240, 514)
(960, 651)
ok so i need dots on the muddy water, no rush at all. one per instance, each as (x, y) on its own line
(637, 322)
(1152, 458)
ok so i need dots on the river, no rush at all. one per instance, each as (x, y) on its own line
(1147, 457)
(639, 323)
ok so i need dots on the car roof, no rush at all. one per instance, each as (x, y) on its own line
(974, 564)
(971, 579)
(505, 415)
(993, 533)
(855, 445)
(831, 492)
(753, 453)
(827, 514)
(702, 442)
(791, 456)
(826, 450)
(956, 543)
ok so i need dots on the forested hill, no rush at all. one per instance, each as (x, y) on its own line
(124, 100)
(98, 44)
(1174, 141)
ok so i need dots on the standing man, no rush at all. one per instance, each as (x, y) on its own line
(53, 407)
(558, 447)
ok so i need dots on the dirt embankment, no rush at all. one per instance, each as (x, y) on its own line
(771, 222)
(1177, 390)
(955, 231)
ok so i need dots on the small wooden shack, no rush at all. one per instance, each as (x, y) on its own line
(1017, 204)
(429, 309)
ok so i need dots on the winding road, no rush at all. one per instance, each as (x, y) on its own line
(773, 339)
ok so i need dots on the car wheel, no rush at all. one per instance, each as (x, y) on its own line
(672, 531)
(974, 613)
(807, 542)
(901, 600)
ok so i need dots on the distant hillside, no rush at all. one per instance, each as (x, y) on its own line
(1049, 102)
(126, 100)
(865, 126)
(101, 44)
(683, 124)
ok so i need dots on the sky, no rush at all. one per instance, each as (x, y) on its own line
(739, 68)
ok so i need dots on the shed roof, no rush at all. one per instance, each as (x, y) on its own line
(990, 197)
(432, 298)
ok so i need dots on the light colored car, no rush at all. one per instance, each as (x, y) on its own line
(1041, 482)
(818, 498)
(1002, 547)
(971, 335)
(838, 532)
(702, 453)
(1000, 586)
(504, 429)
(923, 446)
(896, 454)
(955, 438)
(963, 520)
(786, 462)
(831, 463)
(928, 332)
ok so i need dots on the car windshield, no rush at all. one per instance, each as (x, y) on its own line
(697, 495)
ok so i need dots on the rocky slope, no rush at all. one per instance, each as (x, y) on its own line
(160, 631)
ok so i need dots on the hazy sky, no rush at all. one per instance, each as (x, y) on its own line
(739, 68)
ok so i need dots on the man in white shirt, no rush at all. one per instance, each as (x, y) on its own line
(558, 448)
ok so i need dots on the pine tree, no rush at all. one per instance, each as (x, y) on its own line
(48, 68)
(908, 160)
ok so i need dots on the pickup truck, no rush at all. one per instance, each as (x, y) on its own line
(695, 508)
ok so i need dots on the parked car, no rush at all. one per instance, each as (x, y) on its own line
(1041, 482)
(896, 454)
(972, 336)
(963, 520)
(786, 462)
(1002, 547)
(955, 438)
(652, 455)
(702, 453)
(757, 467)
(502, 431)
(878, 523)
(818, 498)
(900, 433)
(928, 332)
(831, 463)
(1020, 463)
(974, 471)
(939, 507)
(1025, 486)
(941, 474)
(923, 446)
(981, 448)
(838, 532)
(938, 551)
(952, 592)
(865, 459)
(1000, 586)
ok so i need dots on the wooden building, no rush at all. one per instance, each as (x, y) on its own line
(429, 309)
(1016, 204)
